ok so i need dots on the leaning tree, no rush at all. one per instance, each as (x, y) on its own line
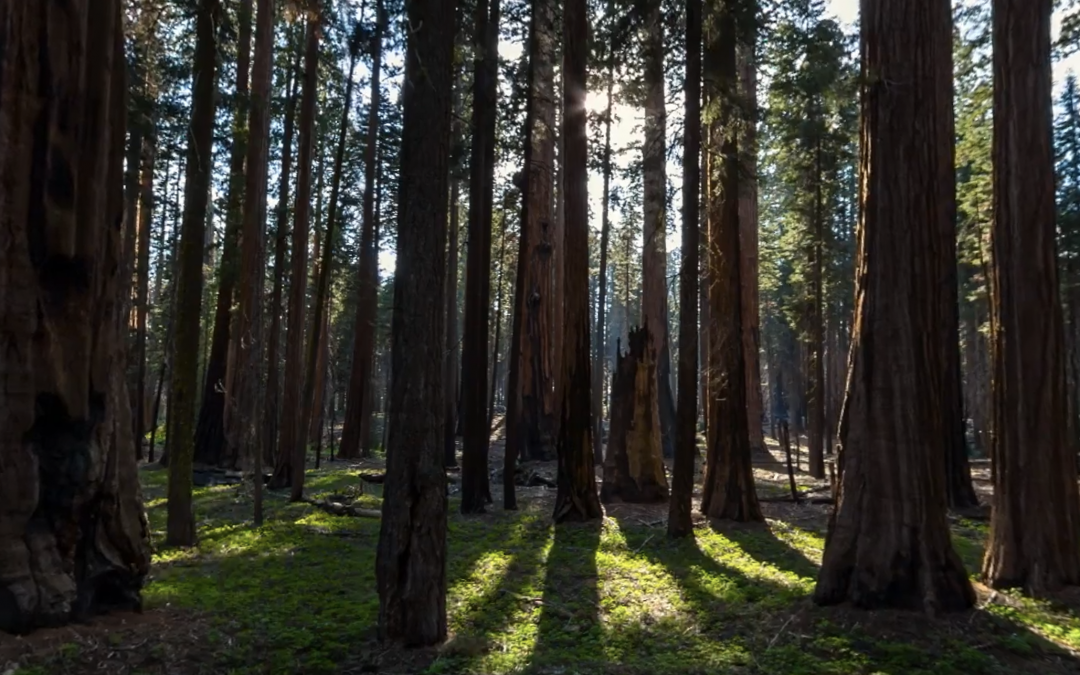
(73, 535)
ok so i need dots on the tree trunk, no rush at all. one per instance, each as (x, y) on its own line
(354, 431)
(748, 231)
(680, 522)
(654, 248)
(576, 498)
(314, 380)
(411, 562)
(272, 411)
(142, 288)
(210, 441)
(599, 356)
(450, 427)
(180, 528)
(728, 490)
(1035, 526)
(816, 346)
(292, 450)
(536, 383)
(634, 466)
(888, 543)
(497, 339)
(246, 430)
(75, 541)
(474, 366)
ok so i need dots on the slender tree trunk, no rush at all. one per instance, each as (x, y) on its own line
(474, 368)
(576, 498)
(500, 275)
(73, 536)
(291, 448)
(411, 562)
(816, 348)
(450, 427)
(354, 432)
(728, 490)
(142, 273)
(889, 543)
(210, 441)
(680, 522)
(272, 411)
(246, 429)
(1035, 527)
(319, 319)
(599, 359)
(654, 248)
(180, 525)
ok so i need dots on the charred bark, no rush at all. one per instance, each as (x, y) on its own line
(633, 465)
(75, 541)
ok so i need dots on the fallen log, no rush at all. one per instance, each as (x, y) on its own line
(339, 509)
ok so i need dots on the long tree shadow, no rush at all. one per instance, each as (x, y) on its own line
(570, 611)
(484, 616)
(760, 542)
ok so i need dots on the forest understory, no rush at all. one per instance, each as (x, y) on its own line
(298, 595)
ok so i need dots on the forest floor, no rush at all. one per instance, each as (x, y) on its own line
(612, 598)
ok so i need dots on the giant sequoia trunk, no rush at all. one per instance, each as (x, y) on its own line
(292, 450)
(474, 360)
(576, 498)
(633, 465)
(73, 537)
(536, 379)
(411, 562)
(1035, 530)
(888, 543)
(354, 432)
(680, 523)
(654, 248)
(180, 527)
(728, 490)
(748, 227)
(210, 432)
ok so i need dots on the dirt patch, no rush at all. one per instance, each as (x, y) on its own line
(161, 641)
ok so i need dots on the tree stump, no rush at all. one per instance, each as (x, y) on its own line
(633, 467)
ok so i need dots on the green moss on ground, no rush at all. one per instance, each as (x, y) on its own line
(617, 597)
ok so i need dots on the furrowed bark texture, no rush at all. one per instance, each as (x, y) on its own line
(728, 490)
(411, 561)
(73, 536)
(1035, 526)
(576, 498)
(888, 543)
